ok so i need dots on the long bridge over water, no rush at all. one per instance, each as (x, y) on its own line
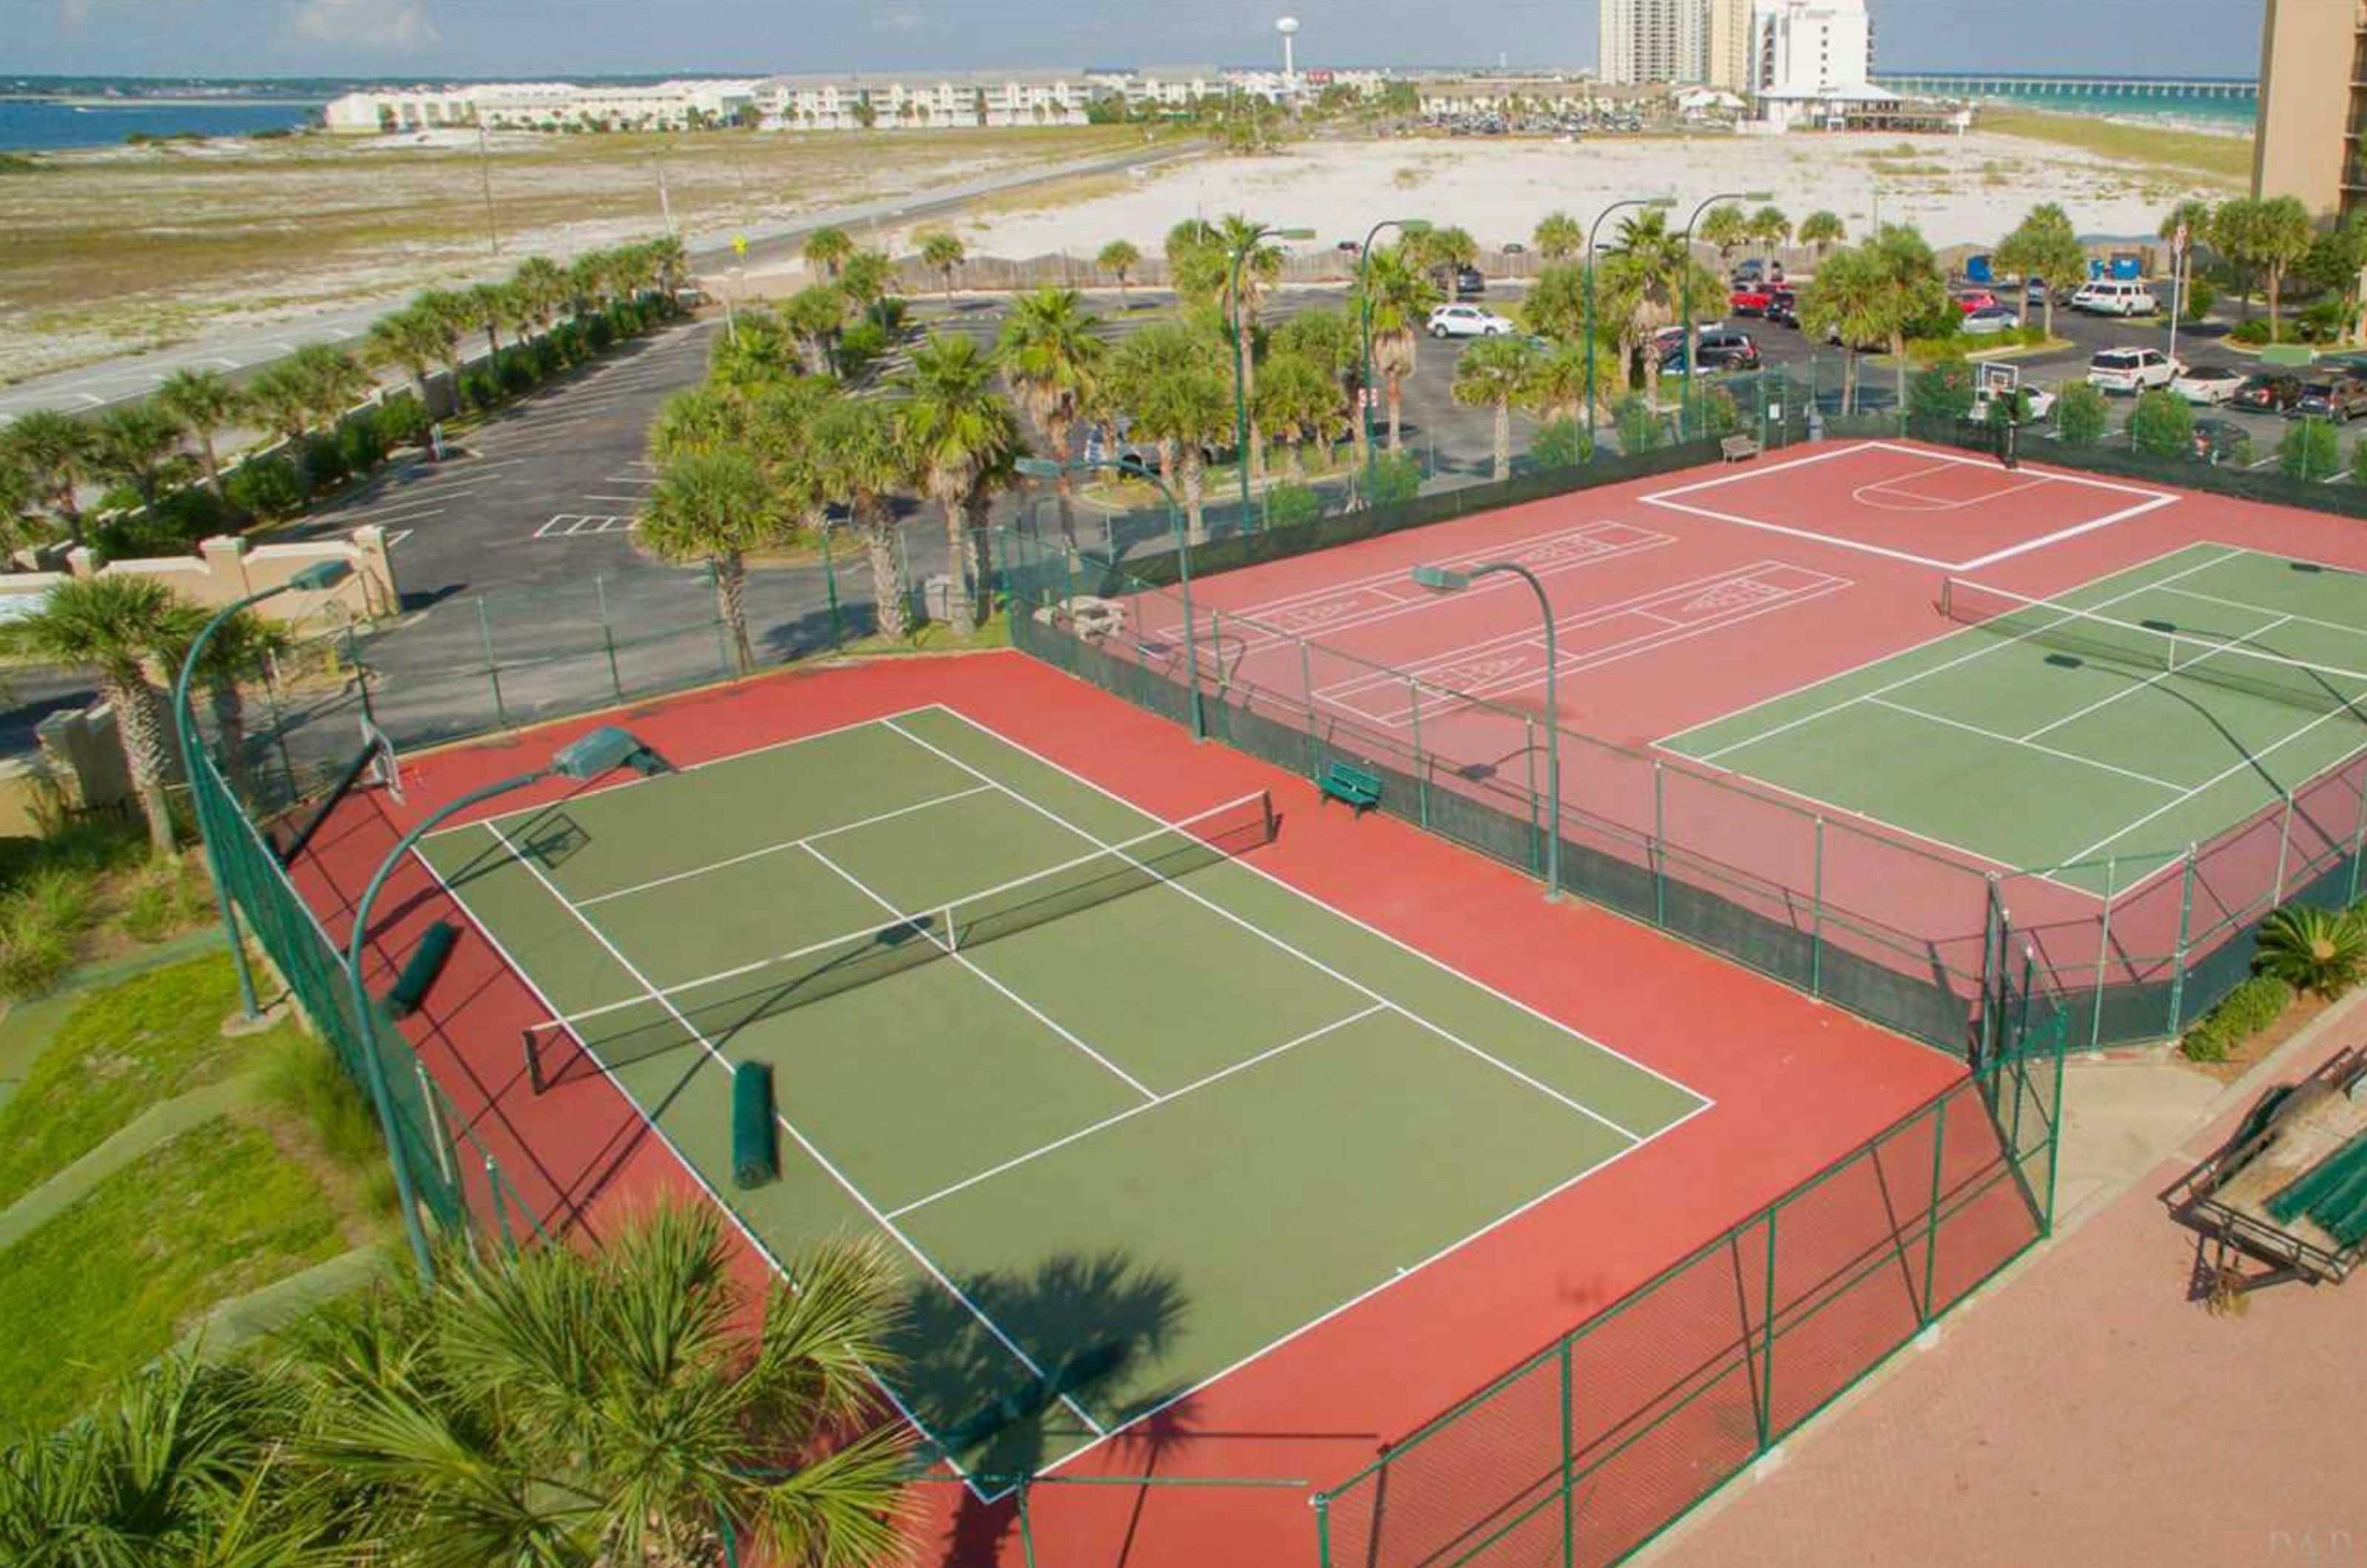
(2231, 91)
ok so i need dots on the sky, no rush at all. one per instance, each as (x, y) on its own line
(553, 38)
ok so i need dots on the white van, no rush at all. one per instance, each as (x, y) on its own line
(2105, 297)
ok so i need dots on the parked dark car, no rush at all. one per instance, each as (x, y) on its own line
(2272, 392)
(1468, 282)
(1749, 271)
(1783, 308)
(2338, 398)
(1715, 351)
(2222, 440)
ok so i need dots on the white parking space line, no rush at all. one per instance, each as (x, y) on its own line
(634, 500)
(574, 525)
(396, 536)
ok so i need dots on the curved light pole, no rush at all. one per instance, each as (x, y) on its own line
(1685, 293)
(1445, 580)
(1048, 468)
(585, 759)
(1405, 228)
(1592, 229)
(1242, 350)
(311, 579)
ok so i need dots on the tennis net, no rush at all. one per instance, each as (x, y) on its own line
(2158, 646)
(708, 1010)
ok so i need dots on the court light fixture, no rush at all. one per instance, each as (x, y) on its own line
(584, 758)
(319, 575)
(1446, 580)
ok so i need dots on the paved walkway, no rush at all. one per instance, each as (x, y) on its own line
(2085, 1411)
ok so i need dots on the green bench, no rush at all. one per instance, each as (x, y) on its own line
(1345, 781)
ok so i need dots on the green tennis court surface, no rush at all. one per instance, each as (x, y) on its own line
(2181, 697)
(1130, 1119)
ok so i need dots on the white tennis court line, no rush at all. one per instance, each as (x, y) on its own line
(2358, 631)
(1261, 932)
(651, 1122)
(1133, 1110)
(943, 944)
(2006, 739)
(783, 845)
(2149, 681)
(1703, 1104)
(637, 781)
(1991, 644)
(812, 1153)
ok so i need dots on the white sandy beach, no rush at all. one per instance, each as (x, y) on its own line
(1959, 190)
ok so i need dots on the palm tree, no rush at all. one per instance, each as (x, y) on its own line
(758, 353)
(961, 437)
(699, 419)
(1771, 227)
(203, 405)
(1052, 360)
(1918, 293)
(812, 317)
(866, 277)
(1246, 280)
(1301, 399)
(54, 450)
(860, 464)
(1330, 340)
(114, 626)
(1724, 226)
(19, 525)
(451, 315)
(567, 1407)
(1559, 236)
(942, 253)
(2044, 244)
(1651, 265)
(542, 285)
(828, 248)
(410, 340)
(134, 444)
(1195, 267)
(1851, 299)
(1186, 406)
(1444, 251)
(490, 304)
(1400, 296)
(669, 261)
(333, 381)
(714, 506)
(1556, 382)
(1494, 374)
(234, 653)
(282, 399)
(1120, 257)
(1822, 229)
(588, 282)
(2274, 239)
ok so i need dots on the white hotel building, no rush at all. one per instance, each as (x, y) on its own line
(924, 101)
(541, 105)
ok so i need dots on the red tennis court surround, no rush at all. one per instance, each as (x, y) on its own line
(1796, 1086)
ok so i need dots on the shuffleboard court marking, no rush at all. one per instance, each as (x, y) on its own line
(925, 1262)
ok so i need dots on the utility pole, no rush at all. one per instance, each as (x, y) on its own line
(485, 170)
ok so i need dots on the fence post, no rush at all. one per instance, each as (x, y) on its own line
(1420, 773)
(1660, 837)
(1932, 1230)
(2053, 1145)
(2104, 949)
(608, 636)
(1322, 1529)
(2358, 842)
(1568, 1458)
(2284, 846)
(1817, 916)
(1767, 1332)
(830, 586)
(493, 671)
(500, 1210)
(2177, 958)
(1992, 959)
(361, 675)
(1529, 763)
(438, 1134)
(1306, 698)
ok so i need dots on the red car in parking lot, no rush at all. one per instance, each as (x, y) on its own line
(1750, 299)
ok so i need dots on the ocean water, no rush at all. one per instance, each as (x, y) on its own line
(27, 126)
(2152, 99)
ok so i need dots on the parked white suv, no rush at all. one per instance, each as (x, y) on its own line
(2115, 299)
(2132, 370)
(1467, 321)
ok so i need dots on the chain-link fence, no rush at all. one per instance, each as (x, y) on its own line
(1590, 1448)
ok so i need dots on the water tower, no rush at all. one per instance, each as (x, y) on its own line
(1288, 28)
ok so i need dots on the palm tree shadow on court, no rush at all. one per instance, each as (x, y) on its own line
(1096, 1325)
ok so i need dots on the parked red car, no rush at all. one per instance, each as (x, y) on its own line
(1751, 299)
(1973, 300)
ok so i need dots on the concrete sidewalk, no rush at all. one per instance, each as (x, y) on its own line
(2084, 1410)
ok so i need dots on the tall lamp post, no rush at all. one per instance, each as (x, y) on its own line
(1407, 227)
(1241, 351)
(1444, 579)
(1592, 229)
(1049, 468)
(311, 579)
(1685, 296)
(587, 758)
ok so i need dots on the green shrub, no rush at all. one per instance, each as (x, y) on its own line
(143, 535)
(1561, 443)
(302, 1077)
(1396, 477)
(1945, 390)
(1637, 422)
(2358, 460)
(2251, 1006)
(1291, 504)
(401, 421)
(860, 347)
(2252, 332)
(2310, 450)
(598, 332)
(360, 445)
(321, 464)
(2201, 295)
(2081, 414)
(265, 486)
(547, 360)
(2031, 336)
(41, 922)
(1715, 412)
(2162, 425)
(166, 898)
(481, 389)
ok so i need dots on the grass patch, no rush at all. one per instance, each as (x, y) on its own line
(122, 1050)
(937, 637)
(2194, 155)
(114, 1281)
(303, 1077)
